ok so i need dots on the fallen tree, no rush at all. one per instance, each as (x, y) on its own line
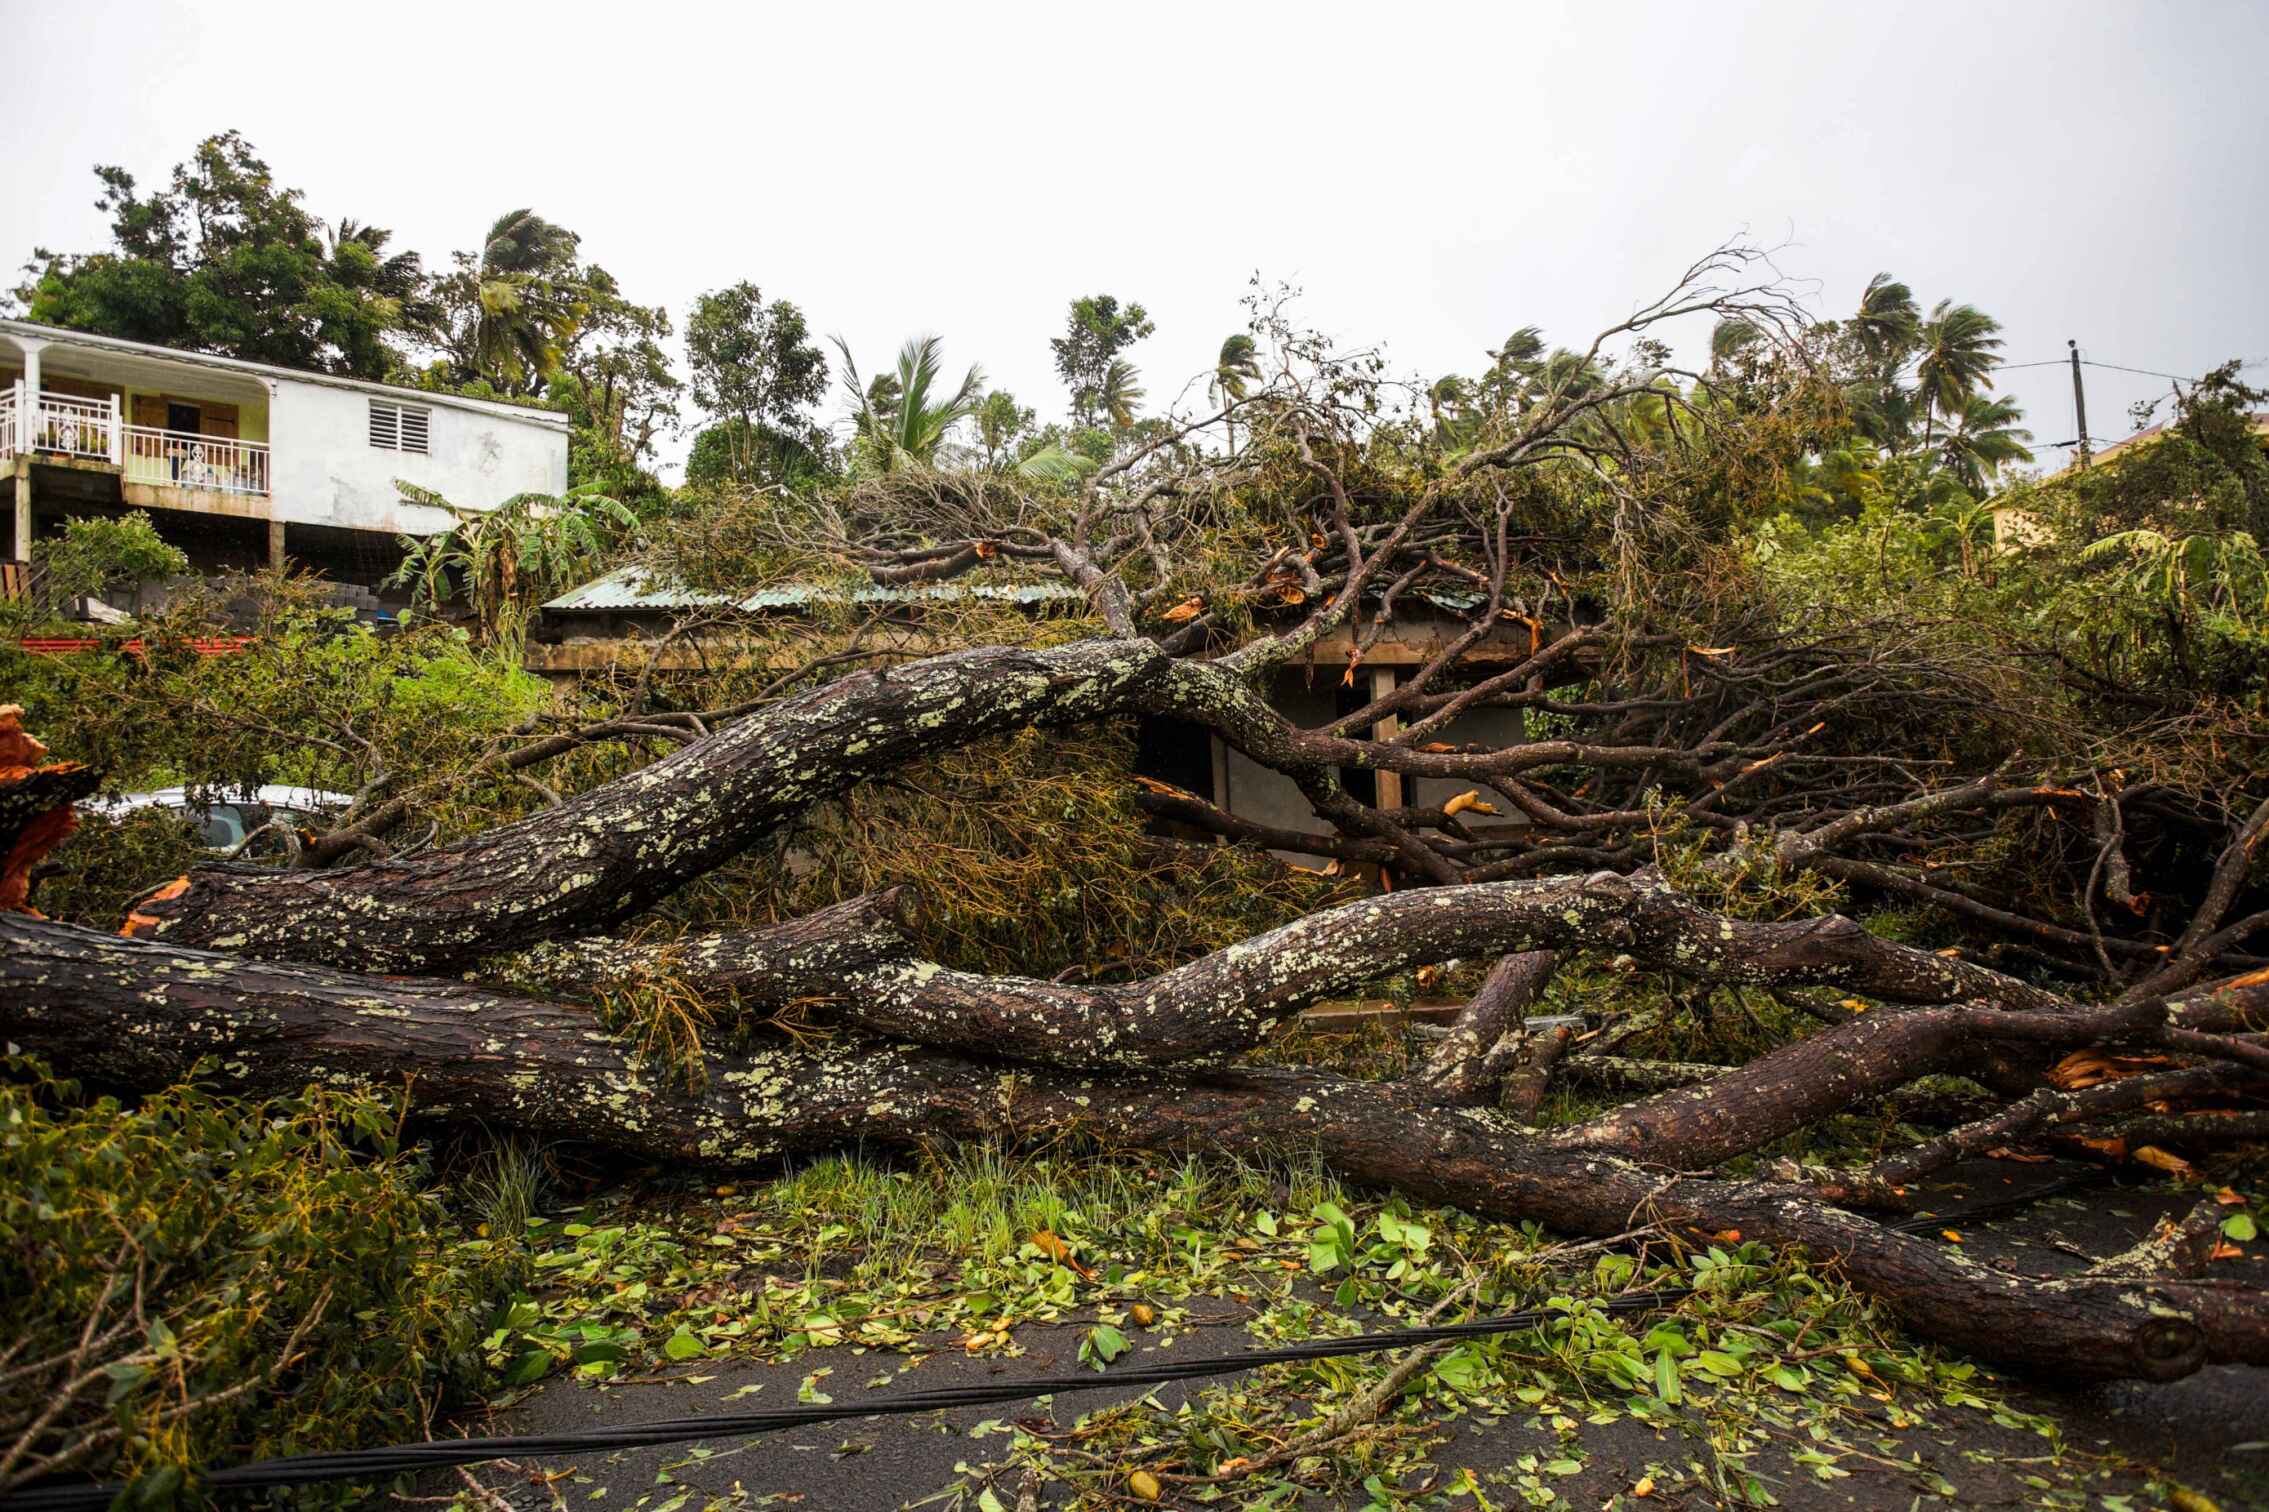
(1687, 786)
(149, 1013)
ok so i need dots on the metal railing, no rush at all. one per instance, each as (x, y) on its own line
(92, 428)
(183, 459)
(74, 427)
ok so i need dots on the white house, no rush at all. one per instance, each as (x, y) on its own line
(244, 463)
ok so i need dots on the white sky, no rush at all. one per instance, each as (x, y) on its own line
(1432, 176)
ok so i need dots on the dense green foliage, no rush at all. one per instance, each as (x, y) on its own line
(225, 260)
(261, 1279)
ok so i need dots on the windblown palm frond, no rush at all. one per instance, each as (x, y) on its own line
(1120, 396)
(1053, 464)
(1889, 320)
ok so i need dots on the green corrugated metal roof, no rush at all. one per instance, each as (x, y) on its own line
(635, 588)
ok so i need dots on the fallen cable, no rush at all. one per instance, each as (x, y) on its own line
(357, 1464)
(361, 1464)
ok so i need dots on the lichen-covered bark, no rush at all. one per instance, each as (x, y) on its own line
(145, 1012)
(1462, 1068)
(607, 854)
(1236, 997)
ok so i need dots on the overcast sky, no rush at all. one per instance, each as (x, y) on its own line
(1431, 176)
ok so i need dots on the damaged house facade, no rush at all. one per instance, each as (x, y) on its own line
(245, 464)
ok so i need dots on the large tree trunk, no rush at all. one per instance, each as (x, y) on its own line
(610, 853)
(145, 1012)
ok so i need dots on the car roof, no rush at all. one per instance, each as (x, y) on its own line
(272, 795)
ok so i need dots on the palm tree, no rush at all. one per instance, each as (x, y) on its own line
(1236, 368)
(1957, 345)
(915, 428)
(400, 277)
(1728, 339)
(528, 295)
(1120, 393)
(1983, 437)
(1888, 322)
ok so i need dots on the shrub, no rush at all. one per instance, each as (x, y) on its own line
(98, 555)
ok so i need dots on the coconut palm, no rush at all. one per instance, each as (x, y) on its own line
(529, 299)
(1234, 371)
(915, 427)
(1728, 340)
(1982, 437)
(1955, 361)
(1888, 322)
(1120, 393)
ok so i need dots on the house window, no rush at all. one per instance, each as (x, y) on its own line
(398, 427)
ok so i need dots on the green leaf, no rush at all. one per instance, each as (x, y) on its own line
(682, 1345)
(2240, 1227)
(1718, 1363)
(123, 1379)
(531, 1367)
(1105, 1344)
(1666, 1378)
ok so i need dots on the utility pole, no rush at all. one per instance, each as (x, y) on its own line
(2079, 401)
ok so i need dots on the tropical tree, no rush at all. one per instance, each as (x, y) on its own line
(757, 372)
(226, 260)
(1984, 436)
(1096, 331)
(916, 426)
(1235, 370)
(1728, 340)
(1120, 394)
(1954, 359)
(1888, 321)
(1000, 422)
(527, 300)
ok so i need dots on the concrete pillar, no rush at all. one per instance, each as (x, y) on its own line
(20, 538)
(29, 413)
(276, 545)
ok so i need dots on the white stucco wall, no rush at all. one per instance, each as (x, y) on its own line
(326, 472)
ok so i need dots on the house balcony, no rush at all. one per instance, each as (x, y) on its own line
(92, 434)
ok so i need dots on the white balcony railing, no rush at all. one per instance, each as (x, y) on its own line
(58, 425)
(75, 427)
(181, 459)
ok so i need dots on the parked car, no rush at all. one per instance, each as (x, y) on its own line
(224, 817)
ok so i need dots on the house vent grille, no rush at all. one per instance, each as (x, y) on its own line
(399, 427)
